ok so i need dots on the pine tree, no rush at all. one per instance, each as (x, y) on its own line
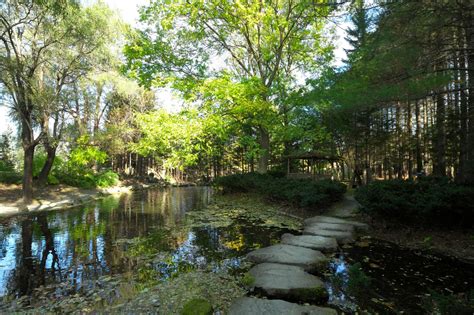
(357, 35)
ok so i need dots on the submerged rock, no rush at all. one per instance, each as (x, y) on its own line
(324, 244)
(288, 282)
(308, 259)
(252, 306)
(359, 226)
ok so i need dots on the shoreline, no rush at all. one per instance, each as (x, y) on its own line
(65, 197)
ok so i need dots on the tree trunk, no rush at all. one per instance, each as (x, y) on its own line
(439, 165)
(469, 177)
(463, 142)
(419, 161)
(48, 165)
(264, 140)
(409, 131)
(28, 173)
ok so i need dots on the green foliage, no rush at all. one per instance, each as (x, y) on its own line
(78, 169)
(8, 174)
(38, 162)
(425, 201)
(85, 156)
(248, 280)
(173, 137)
(106, 179)
(197, 307)
(6, 167)
(53, 180)
(90, 179)
(300, 192)
(264, 46)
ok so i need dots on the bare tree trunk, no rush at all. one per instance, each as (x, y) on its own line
(419, 161)
(409, 131)
(264, 139)
(28, 173)
(469, 178)
(439, 165)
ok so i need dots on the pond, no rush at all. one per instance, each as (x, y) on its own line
(389, 279)
(114, 236)
(162, 246)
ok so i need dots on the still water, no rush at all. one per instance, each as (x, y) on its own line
(143, 232)
(146, 237)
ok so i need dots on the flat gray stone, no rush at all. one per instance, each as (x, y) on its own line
(325, 219)
(342, 237)
(308, 259)
(252, 306)
(331, 226)
(324, 244)
(288, 282)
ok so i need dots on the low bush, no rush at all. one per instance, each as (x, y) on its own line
(90, 179)
(8, 174)
(426, 201)
(79, 169)
(107, 179)
(300, 192)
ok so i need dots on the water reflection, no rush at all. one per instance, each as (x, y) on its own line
(80, 244)
(145, 235)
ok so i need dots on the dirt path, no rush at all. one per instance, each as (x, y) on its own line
(346, 208)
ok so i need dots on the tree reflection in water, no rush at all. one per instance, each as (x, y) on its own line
(144, 235)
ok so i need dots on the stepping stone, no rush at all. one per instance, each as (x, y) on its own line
(331, 227)
(325, 219)
(342, 237)
(252, 306)
(308, 259)
(324, 244)
(288, 282)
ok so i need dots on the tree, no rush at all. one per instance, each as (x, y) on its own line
(86, 51)
(29, 30)
(405, 92)
(46, 45)
(262, 40)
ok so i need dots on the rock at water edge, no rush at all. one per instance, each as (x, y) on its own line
(308, 259)
(288, 282)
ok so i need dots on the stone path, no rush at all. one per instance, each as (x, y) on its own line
(283, 270)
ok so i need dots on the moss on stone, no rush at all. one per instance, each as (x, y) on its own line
(248, 280)
(197, 307)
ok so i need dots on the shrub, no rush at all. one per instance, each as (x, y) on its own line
(107, 179)
(8, 174)
(90, 179)
(426, 201)
(300, 192)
